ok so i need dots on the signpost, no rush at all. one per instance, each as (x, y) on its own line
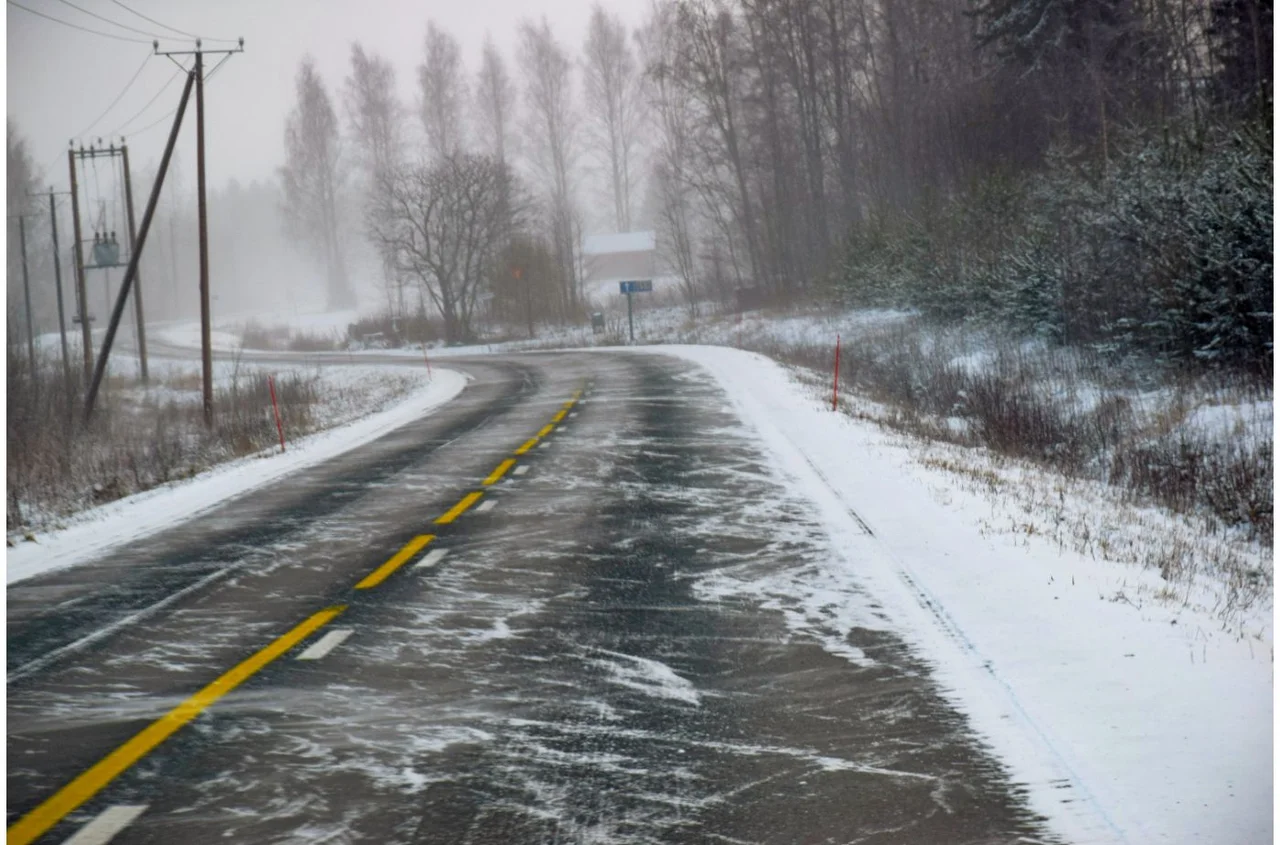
(645, 286)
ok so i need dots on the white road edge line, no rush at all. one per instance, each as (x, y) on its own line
(432, 558)
(325, 644)
(521, 470)
(107, 630)
(486, 505)
(103, 827)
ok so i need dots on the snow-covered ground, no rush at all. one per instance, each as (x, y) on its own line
(1129, 720)
(96, 531)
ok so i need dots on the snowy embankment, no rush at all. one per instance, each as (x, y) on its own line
(101, 529)
(1129, 721)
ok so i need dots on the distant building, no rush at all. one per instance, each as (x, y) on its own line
(621, 257)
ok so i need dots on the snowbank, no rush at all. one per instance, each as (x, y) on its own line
(102, 529)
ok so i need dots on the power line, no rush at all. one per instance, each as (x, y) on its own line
(152, 20)
(157, 122)
(124, 91)
(140, 111)
(77, 26)
(108, 20)
(165, 25)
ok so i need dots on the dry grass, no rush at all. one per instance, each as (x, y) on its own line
(1065, 411)
(138, 438)
(256, 336)
(1098, 461)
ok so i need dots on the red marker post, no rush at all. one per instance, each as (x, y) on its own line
(835, 386)
(275, 407)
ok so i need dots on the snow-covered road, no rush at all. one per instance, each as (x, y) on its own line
(704, 605)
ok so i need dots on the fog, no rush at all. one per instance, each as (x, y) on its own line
(62, 80)
(921, 154)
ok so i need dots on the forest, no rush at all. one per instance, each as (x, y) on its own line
(1093, 172)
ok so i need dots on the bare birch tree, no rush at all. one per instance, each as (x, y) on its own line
(442, 85)
(495, 103)
(376, 120)
(374, 114)
(553, 141)
(612, 94)
(311, 178)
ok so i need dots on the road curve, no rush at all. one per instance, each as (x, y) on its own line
(492, 625)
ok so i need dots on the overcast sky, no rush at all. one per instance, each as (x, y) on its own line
(60, 80)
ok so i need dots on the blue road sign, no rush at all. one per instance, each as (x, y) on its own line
(636, 287)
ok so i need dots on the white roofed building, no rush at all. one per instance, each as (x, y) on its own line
(619, 257)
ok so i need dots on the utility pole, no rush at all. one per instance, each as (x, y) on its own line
(57, 278)
(206, 338)
(137, 281)
(82, 298)
(26, 291)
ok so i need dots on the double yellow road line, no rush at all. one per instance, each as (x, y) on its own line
(65, 801)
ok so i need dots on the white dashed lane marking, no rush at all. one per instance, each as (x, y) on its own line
(520, 470)
(104, 826)
(325, 644)
(486, 505)
(433, 557)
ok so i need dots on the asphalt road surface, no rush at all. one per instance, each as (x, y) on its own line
(486, 627)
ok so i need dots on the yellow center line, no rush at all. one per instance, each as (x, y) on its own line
(66, 800)
(559, 415)
(500, 471)
(545, 430)
(460, 508)
(528, 444)
(401, 557)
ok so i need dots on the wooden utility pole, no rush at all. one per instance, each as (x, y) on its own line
(137, 281)
(26, 294)
(206, 334)
(206, 338)
(77, 250)
(57, 280)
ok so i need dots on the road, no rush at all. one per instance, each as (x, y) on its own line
(489, 626)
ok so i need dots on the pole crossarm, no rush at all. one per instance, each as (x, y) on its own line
(199, 51)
